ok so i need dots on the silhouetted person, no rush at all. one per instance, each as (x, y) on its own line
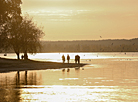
(77, 59)
(22, 57)
(5, 54)
(63, 58)
(68, 58)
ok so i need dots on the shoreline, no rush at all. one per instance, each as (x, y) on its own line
(10, 65)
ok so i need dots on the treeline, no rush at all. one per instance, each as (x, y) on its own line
(122, 45)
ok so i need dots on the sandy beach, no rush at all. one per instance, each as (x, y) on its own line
(8, 65)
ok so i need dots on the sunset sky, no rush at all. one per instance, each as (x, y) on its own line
(84, 19)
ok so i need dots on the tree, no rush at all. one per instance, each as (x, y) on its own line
(25, 36)
(9, 10)
(30, 36)
(14, 37)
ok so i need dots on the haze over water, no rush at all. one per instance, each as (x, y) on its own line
(109, 77)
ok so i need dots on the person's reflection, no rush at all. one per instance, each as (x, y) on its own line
(77, 69)
(68, 70)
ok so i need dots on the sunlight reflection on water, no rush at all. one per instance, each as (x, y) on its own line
(103, 80)
(69, 94)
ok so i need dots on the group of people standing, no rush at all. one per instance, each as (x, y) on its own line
(77, 58)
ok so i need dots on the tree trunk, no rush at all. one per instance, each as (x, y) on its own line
(25, 56)
(18, 55)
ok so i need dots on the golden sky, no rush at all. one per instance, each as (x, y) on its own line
(85, 19)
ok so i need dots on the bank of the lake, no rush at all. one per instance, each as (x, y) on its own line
(8, 65)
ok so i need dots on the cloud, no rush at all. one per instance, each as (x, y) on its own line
(63, 15)
(84, 17)
(79, 9)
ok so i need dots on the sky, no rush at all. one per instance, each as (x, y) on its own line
(84, 19)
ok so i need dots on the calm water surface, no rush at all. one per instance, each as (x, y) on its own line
(109, 77)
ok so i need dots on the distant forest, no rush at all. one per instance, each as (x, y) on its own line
(118, 45)
(122, 45)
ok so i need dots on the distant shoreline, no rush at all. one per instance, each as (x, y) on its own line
(102, 45)
(10, 65)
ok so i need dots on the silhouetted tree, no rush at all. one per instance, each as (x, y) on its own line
(25, 36)
(15, 37)
(9, 10)
(31, 35)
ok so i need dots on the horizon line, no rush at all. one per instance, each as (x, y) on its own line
(91, 40)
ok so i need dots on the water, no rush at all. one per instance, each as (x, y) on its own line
(109, 77)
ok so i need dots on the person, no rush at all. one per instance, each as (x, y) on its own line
(5, 54)
(22, 57)
(68, 58)
(77, 59)
(63, 58)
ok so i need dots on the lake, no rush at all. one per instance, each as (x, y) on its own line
(108, 77)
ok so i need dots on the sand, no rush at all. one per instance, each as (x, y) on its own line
(8, 65)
